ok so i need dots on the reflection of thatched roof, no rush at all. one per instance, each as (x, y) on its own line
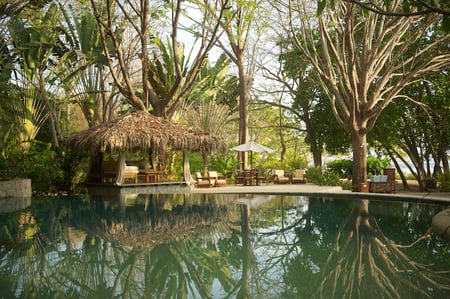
(140, 131)
(142, 230)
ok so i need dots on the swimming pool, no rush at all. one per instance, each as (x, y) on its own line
(222, 246)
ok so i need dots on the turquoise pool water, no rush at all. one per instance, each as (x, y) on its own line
(222, 246)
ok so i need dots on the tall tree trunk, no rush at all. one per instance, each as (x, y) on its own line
(444, 159)
(314, 144)
(359, 146)
(243, 107)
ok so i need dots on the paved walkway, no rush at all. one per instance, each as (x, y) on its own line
(311, 189)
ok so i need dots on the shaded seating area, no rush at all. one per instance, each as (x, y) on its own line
(279, 177)
(134, 132)
(298, 176)
(251, 177)
(146, 172)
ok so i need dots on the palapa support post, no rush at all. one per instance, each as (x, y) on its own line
(187, 169)
(120, 168)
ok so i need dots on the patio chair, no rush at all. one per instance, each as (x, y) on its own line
(202, 182)
(217, 180)
(238, 177)
(250, 177)
(280, 178)
(299, 176)
(263, 177)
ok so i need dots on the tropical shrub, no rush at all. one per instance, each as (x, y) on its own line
(341, 167)
(225, 166)
(443, 180)
(315, 175)
(40, 164)
(375, 166)
(298, 163)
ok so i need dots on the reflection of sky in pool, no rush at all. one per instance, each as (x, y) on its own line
(222, 246)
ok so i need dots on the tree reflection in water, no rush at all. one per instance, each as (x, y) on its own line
(170, 246)
(139, 251)
(367, 264)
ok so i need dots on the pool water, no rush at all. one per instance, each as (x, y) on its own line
(222, 246)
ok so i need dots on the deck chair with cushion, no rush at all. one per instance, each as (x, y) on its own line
(299, 176)
(131, 172)
(217, 180)
(280, 178)
(201, 182)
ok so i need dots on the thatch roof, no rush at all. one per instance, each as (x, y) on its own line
(140, 131)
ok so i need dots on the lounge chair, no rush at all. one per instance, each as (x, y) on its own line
(299, 177)
(202, 182)
(280, 178)
(217, 180)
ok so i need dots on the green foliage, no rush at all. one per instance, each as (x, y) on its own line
(225, 166)
(376, 165)
(443, 180)
(195, 162)
(74, 167)
(50, 171)
(341, 167)
(317, 176)
(298, 163)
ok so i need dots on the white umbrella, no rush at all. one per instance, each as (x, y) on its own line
(252, 147)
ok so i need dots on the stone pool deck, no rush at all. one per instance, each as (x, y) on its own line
(311, 190)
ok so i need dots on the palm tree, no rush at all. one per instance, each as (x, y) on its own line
(204, 109)
(85, 77)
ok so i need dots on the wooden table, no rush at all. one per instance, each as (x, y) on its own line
(151, 175)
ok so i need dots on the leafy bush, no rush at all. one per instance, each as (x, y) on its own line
(49, 171)
(341, 167)
(315, 176)
(297, 163)
(225, 166)
(375, 166)
(331, 179)
(443, 180)
(324, 178)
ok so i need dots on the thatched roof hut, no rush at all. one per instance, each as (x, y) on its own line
(142, 131)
